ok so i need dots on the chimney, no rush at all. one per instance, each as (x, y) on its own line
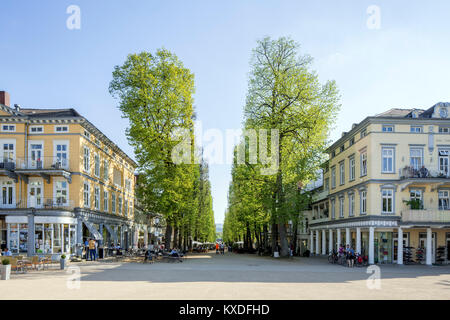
(4, 98)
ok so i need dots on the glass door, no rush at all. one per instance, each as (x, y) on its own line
(35, 194)
(36, 152)
(39, 238)
(405, 244)
(444, 162)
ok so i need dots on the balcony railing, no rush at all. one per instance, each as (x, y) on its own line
(60, 203)
(423, 172)
(426, 215)
(44, 163)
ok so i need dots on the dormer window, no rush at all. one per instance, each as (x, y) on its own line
(388, 128)
(9, 127)
(342, 148)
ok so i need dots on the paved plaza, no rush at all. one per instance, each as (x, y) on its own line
(232, 276)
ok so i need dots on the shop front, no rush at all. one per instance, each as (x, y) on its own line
(383, 245)
(46, 235)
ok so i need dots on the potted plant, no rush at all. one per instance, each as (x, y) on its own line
(415, 204)
(5, 269)
(62, 261)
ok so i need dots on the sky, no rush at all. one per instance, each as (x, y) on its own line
(396, 55)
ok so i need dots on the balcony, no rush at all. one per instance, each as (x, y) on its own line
(40, 203)
(426, 215)
(45, 167)
(409, 172)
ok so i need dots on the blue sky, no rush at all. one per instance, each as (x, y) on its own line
(403, 64)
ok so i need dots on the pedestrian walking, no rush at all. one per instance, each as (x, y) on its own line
(217, 248)
(92, 249)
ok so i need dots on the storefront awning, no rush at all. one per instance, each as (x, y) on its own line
(93, 231)
(112, 232)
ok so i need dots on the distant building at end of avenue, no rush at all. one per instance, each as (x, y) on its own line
(385, 190)
(63, 181)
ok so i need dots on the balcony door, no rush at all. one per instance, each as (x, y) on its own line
(444, 162)
(35, 193)
(35, 155)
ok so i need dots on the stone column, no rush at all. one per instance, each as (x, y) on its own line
(30, 241)
(371, 245)
(330, 241)
(311, 242)
(79, 237)
(100, 230)
(338, 239)
(400, 246)
(429, 248)
(317, 242)
(324, 242)
(358, 240)
(347, 236)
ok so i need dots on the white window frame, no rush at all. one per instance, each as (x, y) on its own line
(120, 205)
(8, 142)
(444, 129)
(105, 169)
(62, 127)
(388, 128)
(392, 157)
(351, 204)
(10, 127)
(86, 195)
(57, 180)
(333, 208)
(387, 195)
(113, 202)
(55, 151)
(342, 173)
(8, 183)
(97, 165)
(341, 207)
(352, 169)
(444, 199)
(30, 129)
(363, 202)
(86, 159)
(333, 177)
(416, 129)
(363, 160)
(97, 198)
(416, 153)
(105, 200)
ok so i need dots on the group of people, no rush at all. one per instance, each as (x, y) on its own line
(5, 252)
(220, 248)
(350, 255)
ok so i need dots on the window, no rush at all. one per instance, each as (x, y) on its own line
(8, 152)
(97, 198)
(125, 211)
(387, 196)
(416, 129)
(341, 207)
(416, 158)
(333, 154)
(86, 190)
(444, 129)
(86, 159)
(59, 129)
(444, 201)
(387, 160)
(8, 194)
(333, 177)
(342, 148)
(333, 208)
(61, 155)
(97, 165)
(388, 128)
(351, 169)
(351, 204)
(327, 184)
(352, 141)
(363, 133)
(9, 127)
(87, 135)
(36, 129)
(128, 184)
(416, 195)
(363, 164)
(105, 169)
(363, 207)
(120, 205)
(105, 200)
(113, 203)
(341, 173)
(61, 192)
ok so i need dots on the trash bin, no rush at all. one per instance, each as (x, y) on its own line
(100, 253)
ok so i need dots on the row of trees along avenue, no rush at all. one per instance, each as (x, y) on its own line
(286, 95)
(155, 93)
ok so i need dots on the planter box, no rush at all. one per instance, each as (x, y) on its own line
(5, 271)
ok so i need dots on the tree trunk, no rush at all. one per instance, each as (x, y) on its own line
(168, 236)
(175, 237)
(274, 239)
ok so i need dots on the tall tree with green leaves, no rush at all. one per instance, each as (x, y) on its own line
(285, 94)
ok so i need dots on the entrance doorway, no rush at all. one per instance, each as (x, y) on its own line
(35, 192)
(405, 244)
(423, 244)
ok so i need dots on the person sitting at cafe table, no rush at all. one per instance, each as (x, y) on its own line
(7, 253)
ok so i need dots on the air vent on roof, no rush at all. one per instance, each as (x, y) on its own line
(344, 133)
(354, 125)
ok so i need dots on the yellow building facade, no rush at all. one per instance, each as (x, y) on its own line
(388, 188)
(62, 181)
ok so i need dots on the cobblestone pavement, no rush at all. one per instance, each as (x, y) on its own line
(231, 276)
